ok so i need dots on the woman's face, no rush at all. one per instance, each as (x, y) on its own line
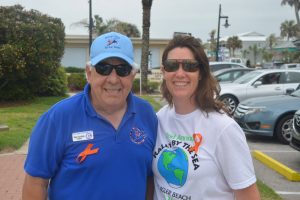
(180, 83)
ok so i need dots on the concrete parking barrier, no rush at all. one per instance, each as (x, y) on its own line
(277, 166)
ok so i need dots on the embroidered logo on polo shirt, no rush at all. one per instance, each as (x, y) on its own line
(137, 136)
(82, 136)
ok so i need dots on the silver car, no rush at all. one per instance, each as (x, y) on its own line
(231, 74)
(215, 66)
(258, 83)
(269, 116)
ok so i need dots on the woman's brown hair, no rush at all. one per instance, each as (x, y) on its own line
(208, 90)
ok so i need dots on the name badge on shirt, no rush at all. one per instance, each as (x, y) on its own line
(82, 136)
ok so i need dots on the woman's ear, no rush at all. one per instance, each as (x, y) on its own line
(162, 71)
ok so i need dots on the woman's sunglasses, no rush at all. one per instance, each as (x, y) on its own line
(105, 69)
(172, 65)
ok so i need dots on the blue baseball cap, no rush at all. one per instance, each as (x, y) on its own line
(110, 45)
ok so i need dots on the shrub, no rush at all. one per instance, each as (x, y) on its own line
(31, 47)
(152, 87)
(76, 81)
(55, 84)
(74, 69)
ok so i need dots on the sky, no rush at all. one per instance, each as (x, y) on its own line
(198, 17)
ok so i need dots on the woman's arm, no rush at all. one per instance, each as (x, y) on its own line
(150, 188)
(249, 193)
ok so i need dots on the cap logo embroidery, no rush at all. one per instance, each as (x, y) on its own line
(111, 41)
(137, 136)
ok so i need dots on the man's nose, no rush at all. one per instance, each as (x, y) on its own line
(113, 76)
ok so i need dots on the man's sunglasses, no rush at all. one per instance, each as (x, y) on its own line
(105, 69)
(172, 65)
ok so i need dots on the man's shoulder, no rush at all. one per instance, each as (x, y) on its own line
(69, 104)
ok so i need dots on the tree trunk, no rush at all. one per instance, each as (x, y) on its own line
(296, 6)
(145, 43)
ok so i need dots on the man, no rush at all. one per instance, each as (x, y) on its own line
(97, 144)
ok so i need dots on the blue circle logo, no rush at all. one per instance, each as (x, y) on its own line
(173, 166)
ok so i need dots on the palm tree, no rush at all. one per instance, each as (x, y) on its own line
(296, 4)
(147, 4)
(255, 50)
(213, 43)
(125, 28)
(288, 29)
(111, 25)
(233, 43)
(271, 41)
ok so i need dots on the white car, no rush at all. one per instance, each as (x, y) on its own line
(214, 66)
(258, 83)
(290, 66)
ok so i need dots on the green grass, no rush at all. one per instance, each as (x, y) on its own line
(21, 117)
(154, 101)
(267, 193)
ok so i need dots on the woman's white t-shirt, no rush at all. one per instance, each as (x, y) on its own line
(200, 156)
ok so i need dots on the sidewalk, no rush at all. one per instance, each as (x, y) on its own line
(12, 174)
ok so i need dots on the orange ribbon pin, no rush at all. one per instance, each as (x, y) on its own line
(198, 140)
(87, 151)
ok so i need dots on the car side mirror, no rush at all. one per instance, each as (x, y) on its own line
(289, 90)
(257, 83)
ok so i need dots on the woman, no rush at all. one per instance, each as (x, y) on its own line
(200, 153)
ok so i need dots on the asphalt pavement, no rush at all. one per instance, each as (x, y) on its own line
(285, 155)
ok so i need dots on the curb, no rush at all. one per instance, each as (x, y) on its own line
(277, 166)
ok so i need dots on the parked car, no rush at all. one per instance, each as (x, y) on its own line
(231, 74)
(214, 66)
(269, 116)
(295, 141)
(272, 65)
(235, 60)
(258, 83)
(290, 66)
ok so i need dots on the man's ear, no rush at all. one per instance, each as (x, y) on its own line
(88, 72)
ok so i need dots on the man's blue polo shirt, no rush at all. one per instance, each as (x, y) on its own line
(63, 148)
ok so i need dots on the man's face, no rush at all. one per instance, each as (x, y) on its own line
(109, 91)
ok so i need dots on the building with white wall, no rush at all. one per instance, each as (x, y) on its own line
(77, 51)
(249, 39)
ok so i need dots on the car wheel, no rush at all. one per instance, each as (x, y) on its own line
(230, 103)
(284, 129)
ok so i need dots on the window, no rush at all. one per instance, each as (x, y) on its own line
(293, 77)
(270, 79)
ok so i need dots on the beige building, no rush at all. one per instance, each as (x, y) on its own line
(77, 52)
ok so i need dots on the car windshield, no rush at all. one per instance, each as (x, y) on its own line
(296, 93)
(247, 77)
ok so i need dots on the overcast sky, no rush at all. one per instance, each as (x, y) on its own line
(198, 17)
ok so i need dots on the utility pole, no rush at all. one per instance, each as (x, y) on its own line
(90, 24)
(218, 35)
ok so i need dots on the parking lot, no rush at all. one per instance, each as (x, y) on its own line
(284, 154)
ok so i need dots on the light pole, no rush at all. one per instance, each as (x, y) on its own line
(218, 35)
(90, 24)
